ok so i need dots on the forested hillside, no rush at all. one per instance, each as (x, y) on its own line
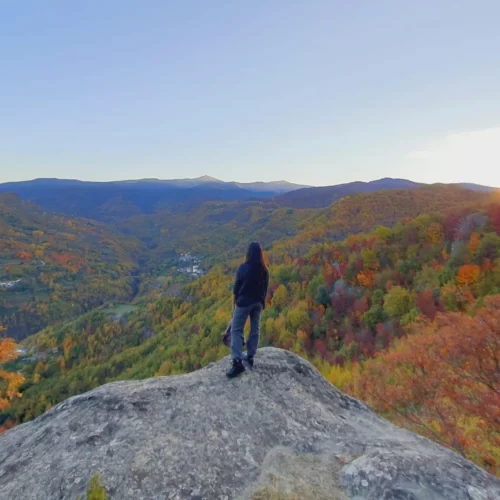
(441, 381)
(363, 212)
(220, 231)
(53, 268)
(216, 231)
(338, 301)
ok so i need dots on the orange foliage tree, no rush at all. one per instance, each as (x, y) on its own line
(468, 274)
(443, 382)
(11, 381)
(366, 278)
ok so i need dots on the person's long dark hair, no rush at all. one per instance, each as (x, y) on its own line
(255, 257)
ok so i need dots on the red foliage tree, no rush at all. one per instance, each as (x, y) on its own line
(426, 304)
(494, 215)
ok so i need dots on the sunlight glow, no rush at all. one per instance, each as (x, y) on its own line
(472, 156)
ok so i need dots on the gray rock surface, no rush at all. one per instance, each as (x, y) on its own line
(279, 431)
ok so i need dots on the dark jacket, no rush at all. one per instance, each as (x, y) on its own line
(250, 286)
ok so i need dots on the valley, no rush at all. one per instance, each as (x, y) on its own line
(150, 294)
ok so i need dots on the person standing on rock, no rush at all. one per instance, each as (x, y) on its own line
(249, 299)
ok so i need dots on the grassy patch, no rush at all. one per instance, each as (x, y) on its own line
(119, 309)
(162, 278)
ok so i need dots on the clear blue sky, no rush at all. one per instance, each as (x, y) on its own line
(317, 92)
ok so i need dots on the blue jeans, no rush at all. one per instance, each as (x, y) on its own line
(240, 317)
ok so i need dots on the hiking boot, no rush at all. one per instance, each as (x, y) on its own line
(249, 360)
(236, 369)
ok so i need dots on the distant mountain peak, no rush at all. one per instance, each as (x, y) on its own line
(207, 178)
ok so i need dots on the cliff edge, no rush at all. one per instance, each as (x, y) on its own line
(279, 431)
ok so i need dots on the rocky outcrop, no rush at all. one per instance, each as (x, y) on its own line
(279, 431)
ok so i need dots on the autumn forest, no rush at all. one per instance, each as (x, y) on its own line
(393, 295)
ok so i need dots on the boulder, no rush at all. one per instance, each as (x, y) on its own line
(279, 431)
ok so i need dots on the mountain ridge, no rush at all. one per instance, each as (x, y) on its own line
(204, 179)
(84, 199)
(324, 196)
(90, 199)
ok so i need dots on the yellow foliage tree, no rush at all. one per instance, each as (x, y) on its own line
(342, 376)
(280, 297)
(298, 316)
(435, 233)
(474, 243)
(14, 380)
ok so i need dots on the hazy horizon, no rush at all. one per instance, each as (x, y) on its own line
(316, 93)
(140, 179)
